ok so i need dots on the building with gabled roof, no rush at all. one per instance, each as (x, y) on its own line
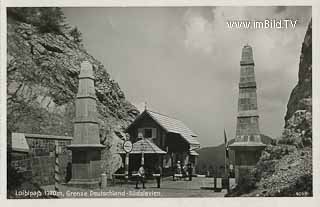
(169, 135)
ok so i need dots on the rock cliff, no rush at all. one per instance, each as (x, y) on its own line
(42, 82)
(298, 119)
(301, 95)
(286, 169)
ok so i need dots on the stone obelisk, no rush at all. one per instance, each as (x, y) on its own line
(247, 145)
(85, 146)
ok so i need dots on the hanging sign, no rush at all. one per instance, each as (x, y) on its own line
(127, 146)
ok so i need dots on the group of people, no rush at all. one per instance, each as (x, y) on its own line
(186, 171)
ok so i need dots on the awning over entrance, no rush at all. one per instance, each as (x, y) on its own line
(146, 146)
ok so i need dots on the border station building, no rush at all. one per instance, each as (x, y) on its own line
(164, 142)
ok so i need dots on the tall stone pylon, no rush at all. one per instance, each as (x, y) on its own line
(247, 145)
(85, 146)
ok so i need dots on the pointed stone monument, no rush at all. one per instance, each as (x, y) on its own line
(85, 146)
(247, 145)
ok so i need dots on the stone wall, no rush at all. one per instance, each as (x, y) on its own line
(39, 162)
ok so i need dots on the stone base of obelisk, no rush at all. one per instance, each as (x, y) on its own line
(242, 171)
(246, 158)
(86, 167)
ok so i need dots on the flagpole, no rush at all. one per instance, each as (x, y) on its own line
(225, 155)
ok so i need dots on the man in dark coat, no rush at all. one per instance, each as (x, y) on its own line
(158, 171)
(190, 171)
(69, 172)
(141, 177)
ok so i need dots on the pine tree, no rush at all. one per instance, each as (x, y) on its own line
(76, 34)
(51, 20)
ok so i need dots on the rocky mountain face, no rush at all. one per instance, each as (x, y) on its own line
(292, 171)
(298, 119)
(285, 168)
(42, 82)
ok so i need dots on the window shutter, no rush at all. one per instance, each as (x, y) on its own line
(140, 130)
(154, 132)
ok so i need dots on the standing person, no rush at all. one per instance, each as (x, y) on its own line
(158, 178)
(185, 171)
(69, 172)
(141, 176)
(178, 168)
(190, 171)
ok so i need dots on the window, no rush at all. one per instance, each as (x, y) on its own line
(148, 133)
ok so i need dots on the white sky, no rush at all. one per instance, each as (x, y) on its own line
(185, 61)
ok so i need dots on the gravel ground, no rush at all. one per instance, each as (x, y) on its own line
(168, 188)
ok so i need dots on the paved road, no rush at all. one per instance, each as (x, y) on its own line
(168, 188)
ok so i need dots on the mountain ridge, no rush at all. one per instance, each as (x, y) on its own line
(212, 158)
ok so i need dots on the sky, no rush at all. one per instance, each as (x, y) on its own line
(185, 61)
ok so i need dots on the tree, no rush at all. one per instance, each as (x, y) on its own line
(24, 14)
(48, 19)
(51, 20)
(76, 34)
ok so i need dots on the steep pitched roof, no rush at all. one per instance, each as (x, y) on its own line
(171, 125)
